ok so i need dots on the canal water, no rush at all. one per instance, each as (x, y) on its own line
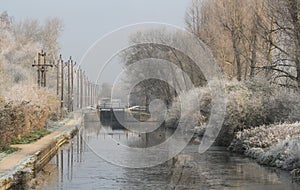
(78, 166)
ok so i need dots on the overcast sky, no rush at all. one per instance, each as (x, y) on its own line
(88, 20)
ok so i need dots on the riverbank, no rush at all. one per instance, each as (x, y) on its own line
(271, 145)
(24, 164)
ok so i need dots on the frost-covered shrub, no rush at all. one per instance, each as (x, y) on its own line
(244, 106)
(24, 109)
(276, 145)
(263, 137)
(187, 107)
(9, 115)
(244, 110)
(296, 175)
(256, 103)
(18, 120)
(249, 105)
(285, 154)
(282, 106)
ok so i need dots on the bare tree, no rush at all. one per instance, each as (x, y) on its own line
(281, 28)
(230, 28)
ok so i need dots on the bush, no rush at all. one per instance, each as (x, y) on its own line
(12, 122)
(249, 105)
(273, 145)
(263, 137)
(18, 120)
(256, 103)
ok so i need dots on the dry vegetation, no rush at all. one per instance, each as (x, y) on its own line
(24, 107)
(19, 119)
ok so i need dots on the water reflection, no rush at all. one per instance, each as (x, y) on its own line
(80, 168)
(142, 149)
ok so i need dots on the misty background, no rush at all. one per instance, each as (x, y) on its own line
(87, 21)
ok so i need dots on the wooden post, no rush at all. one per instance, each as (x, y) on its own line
(39, 69)
(69, 84)
(77, 138)
(81, 89)
(57, 75)
(44, 71)
(97, 93)
(72, 85)
(89, 92)
(85, 90)
(69, 164)
(92, 94)
(78, 88)
(62, 90)
(62, 165)
(72, 159)
(57, 160)
(81, 147)
(57, 82)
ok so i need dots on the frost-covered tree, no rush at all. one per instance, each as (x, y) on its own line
(251, 36)
(19, 44)
(150, 57)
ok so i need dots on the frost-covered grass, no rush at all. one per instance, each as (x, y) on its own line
(284, 154)
(274, 145)
(263, 136)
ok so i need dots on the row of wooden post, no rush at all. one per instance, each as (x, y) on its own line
(84, 93)
(87, 91)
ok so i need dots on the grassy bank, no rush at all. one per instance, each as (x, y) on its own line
(31, 137)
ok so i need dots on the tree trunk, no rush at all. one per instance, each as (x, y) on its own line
(294, 12)
(253, 49)
(236, 54)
